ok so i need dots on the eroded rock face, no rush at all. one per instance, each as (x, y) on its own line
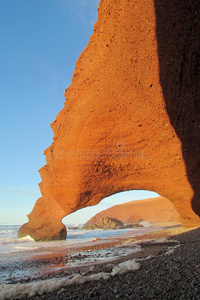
(115, 132)
(104, 223)
(154, 210)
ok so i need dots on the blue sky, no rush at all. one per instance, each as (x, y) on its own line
(40, 43)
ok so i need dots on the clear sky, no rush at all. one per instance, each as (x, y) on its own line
(40, 43)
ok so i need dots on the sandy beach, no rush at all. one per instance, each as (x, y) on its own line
(165, 265)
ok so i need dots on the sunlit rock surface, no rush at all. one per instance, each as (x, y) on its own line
(131, 115)
(154, 210)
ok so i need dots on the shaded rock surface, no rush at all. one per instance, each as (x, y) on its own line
(104, 223)
(154, 210)
(131, 115)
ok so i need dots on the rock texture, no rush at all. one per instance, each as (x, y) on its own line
(131, 116)
(104, 223)
(153, 210)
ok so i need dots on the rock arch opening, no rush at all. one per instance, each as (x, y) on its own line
(139, 207)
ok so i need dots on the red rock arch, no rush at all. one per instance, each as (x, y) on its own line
(117, 110)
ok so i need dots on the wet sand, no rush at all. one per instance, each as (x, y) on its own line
(54, 261)
(156, 246)
(166, 275)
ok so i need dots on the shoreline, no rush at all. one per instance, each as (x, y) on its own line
(152, 245)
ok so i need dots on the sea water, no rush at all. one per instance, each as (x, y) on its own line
(10, 243)
(14, 249)
(19, 274)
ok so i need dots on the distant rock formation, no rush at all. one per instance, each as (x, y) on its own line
(104, 223)
(131, 118)
(154, 210)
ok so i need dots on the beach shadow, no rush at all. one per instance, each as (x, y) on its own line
(178, 32)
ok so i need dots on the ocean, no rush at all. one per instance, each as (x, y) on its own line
(24, 261)
(10, 244)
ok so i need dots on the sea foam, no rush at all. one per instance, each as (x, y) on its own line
(12, 291)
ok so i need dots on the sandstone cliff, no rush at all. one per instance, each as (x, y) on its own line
(131, 116)
(154, 210)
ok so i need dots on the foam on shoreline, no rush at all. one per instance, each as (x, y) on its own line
(27, 290)
(128, 254)
(12, 291)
